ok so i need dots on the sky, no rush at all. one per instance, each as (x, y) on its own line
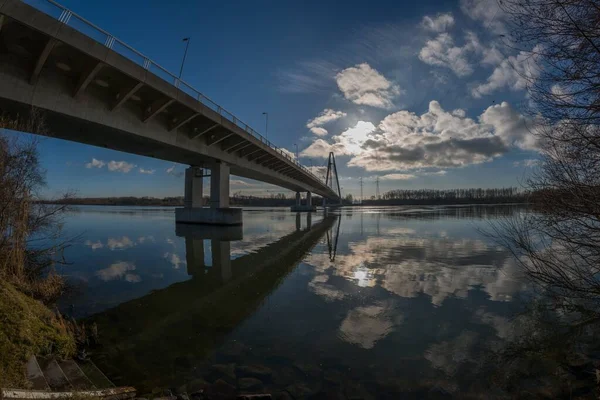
(420, 94)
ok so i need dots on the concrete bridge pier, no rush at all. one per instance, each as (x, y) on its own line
(218, 212)
(299, 207)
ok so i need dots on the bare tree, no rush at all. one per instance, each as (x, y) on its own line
(559, 243)
(29, 232)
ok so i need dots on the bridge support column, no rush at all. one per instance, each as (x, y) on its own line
(219, 185)
(303, 207)
(193, 187)
(219, 212)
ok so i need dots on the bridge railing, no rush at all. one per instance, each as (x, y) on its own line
(86, 27)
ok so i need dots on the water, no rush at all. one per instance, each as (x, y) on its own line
(371, 301)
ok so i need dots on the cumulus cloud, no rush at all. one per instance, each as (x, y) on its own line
(288, 153)
(435, 139)
(115, 271)
(120, 166)
(440, 23)
(362, 84)
(487, 12)
(397, 177)
(443, 52)
(95, 164)
(147, 171)
(513, 73)
(347, 143)
(326, 116)
(526, 163)
(319, 131)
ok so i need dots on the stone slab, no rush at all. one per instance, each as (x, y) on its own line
(209, 216)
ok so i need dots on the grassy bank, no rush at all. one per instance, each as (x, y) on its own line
(27, 327)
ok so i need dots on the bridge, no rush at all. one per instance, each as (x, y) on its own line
(218, 298)
(93, 88)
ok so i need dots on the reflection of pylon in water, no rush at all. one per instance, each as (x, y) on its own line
(377, 189)
(361, 190)
(332, 247)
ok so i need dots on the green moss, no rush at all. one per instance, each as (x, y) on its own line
(27, 327)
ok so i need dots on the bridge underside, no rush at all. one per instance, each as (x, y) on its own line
(93, 94)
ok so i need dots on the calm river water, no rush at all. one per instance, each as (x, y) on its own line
(364, 302)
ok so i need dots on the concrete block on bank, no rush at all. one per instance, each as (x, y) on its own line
(210, 216)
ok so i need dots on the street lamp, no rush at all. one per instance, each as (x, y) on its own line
(296, 150)
(187, 44)
(266, 114)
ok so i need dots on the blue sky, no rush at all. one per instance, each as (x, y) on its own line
(422, 94)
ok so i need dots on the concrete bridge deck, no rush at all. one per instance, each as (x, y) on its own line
(94, 89)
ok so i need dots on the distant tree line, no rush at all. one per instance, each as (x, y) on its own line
(451, 196)
(118, 201)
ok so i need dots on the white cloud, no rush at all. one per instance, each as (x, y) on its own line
(347, 143)
(319, 131)
(509, 125)
(115, 271)
(528, 163)
(513, 73)
(289, 153)
(362, 84)
(405, 141)
(439, 23)
(487, 12)
(95, 164)
(239, 182)
(397, 177)
(326, 116)
(120, 166)
(442, 52)
(171, 171)
(147, 171)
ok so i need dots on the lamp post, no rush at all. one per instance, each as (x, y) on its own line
(266, 114)
(296, 151)
(187, 44)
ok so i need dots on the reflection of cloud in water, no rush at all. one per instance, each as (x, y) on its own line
(408, 266)
(120, 243)
(449, 355)
(174, 260)
(133, 278)
(409, 278)
(143, 239)
(319, 286)
(94, 245)
(364, 326)
(115, 271)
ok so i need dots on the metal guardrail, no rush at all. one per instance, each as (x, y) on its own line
(86, 27)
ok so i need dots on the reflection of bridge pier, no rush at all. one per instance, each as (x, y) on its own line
(299, 221)
(220, 244)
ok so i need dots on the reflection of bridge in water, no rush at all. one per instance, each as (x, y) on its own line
(161, 338)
